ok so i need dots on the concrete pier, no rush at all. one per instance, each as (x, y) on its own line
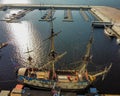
(46, 6)
(48, 15)
(17, 16)
(68, 16)
(108, 14)
(84, 15)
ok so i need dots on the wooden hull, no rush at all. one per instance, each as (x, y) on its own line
(49, 85)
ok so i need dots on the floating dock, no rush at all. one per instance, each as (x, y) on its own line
(48, 15)
(67, 16)
(84, 15)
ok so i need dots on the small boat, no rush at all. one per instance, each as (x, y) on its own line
(109, 32)
(118, 41)
(47, 77)
(3, 45)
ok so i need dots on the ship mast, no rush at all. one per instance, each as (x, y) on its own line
(30, 59)
(53, 56)
(52, 53)
(52, 49)
(87, 56)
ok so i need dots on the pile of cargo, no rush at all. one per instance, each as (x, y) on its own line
(17, 91)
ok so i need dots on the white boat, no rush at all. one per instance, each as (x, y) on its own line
(109, 32)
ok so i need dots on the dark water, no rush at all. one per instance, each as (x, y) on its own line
(73, 39)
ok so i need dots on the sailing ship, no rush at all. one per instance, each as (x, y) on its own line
(47, 77)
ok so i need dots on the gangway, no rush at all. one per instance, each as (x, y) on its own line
(101, 24)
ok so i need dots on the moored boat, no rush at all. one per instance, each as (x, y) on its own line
(109, 32)
(3, 45)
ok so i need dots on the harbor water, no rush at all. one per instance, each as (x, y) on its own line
(31, 33)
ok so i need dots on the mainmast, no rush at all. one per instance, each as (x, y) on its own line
(87, 56)
(52, 49)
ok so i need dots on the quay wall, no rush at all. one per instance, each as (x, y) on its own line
(47, 6)
(108, 14)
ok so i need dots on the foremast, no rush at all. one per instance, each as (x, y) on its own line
(29, 57)
(53, 56)
(52, 53)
